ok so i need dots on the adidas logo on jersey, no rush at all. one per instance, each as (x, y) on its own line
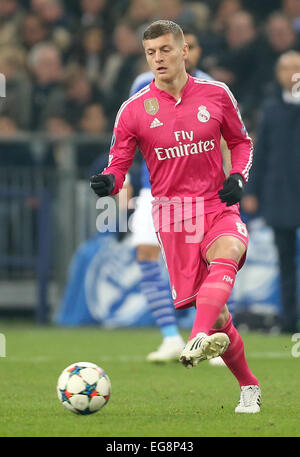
(155, 123)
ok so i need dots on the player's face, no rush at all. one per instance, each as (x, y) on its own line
(166, 57)
(194, 53)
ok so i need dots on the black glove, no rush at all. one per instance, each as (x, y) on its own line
(102, 185)
(232, 190)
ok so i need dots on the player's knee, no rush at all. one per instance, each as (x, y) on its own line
(235, 252)
(147, 253)
(226, 248)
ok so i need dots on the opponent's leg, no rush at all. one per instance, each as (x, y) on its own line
(154, 285)
(157, 292)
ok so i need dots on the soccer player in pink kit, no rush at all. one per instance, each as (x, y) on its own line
(177, 122)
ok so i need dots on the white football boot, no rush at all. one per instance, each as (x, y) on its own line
(204, 347)
(250, 400)
(170, 349)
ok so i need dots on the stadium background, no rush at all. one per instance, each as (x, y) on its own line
(68, 67)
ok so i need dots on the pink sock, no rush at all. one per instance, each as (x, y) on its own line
(234, 356)
(213, 294)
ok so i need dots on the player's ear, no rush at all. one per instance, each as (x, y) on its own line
(185, 50)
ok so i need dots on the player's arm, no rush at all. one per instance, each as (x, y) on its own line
(138, 84)
(226, 155)
(125, 194)
(123, 146)
(240, 144)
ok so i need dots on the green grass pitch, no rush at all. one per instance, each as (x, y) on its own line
(148, 400)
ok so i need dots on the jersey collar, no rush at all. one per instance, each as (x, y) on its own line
(168, 96)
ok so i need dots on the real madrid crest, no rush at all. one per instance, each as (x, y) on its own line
(151, 106)
(203, 115)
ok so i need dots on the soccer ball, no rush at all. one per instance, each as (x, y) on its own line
(83, 388)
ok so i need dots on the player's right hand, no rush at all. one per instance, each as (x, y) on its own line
(102, 185)
(232, 189)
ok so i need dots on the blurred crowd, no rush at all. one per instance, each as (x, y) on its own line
(69, 64)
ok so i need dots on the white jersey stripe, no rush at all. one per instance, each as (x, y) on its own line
(223, 263)
(235, 104)
(249, 164)
(127, 102)
(219, 84)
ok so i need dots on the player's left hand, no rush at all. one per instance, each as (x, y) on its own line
(233, 188)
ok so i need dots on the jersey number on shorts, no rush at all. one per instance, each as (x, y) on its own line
(241, 228)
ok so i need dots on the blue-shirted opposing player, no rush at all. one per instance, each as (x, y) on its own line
(153, 283)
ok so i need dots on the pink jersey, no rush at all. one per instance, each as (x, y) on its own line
(180, 140)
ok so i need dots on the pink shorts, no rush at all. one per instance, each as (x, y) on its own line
(186, 261)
